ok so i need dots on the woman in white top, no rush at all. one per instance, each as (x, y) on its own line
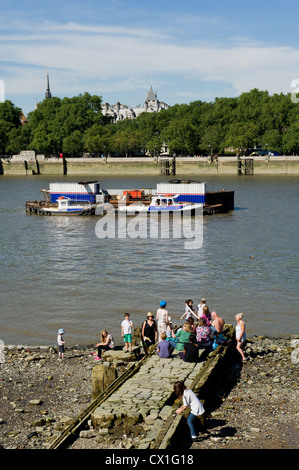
(240, 334)
(162, 318)
(191, 401)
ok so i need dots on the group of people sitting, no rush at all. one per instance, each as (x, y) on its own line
(201, 329)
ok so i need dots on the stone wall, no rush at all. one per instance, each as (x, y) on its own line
(18, 165)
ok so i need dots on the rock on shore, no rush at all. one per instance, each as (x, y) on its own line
(41, 394)
(253, 405)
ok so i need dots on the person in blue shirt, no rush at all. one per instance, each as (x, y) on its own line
(164, 348)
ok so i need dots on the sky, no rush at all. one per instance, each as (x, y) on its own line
(186, 50)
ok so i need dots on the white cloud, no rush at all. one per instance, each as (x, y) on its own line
(108, 56)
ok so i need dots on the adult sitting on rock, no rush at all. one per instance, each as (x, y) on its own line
(192, 324)
(218, 324)
(203, 334)
(181, 337)
(191, 350)
(206, 315)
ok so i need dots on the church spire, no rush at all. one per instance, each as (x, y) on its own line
(48, 93)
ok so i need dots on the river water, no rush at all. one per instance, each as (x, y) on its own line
(56, 273)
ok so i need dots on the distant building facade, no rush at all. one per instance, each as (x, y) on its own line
(118, 111)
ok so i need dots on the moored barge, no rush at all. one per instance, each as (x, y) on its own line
(83, 198)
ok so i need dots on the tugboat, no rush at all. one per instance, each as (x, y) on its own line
(162, 203)
(64, 206)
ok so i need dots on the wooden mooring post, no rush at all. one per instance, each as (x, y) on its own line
(168, 167)
(245, 166)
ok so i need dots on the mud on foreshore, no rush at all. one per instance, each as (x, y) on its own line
(252, 405)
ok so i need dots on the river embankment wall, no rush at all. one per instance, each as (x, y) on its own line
(278, 165)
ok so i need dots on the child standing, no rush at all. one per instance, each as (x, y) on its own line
(189, 311)
(162, 318)
(126, 332)
(61, 343)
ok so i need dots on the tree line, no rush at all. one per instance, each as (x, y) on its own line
(76, 125)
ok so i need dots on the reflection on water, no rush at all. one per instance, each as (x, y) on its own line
(57, 273)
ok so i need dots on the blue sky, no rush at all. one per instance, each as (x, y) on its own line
(188, 50)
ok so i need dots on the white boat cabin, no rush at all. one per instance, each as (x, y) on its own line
(67, 204)
(163, 200)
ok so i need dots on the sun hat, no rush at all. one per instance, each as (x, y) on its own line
(163, 303)
(149, 314)
(61, 331)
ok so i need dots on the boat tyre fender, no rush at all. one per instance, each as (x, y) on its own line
(41, 212)
(31, 209)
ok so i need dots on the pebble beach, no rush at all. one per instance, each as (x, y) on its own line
(253, 405)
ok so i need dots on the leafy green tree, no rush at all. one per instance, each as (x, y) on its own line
(154, 145)
(127, 141)
(99, 139)
(242, 135)
(76, 124)
(73, 143)
(180, 136)
(56, 119)
(272, 140)
(10, 119)
(18, 140)
(213, 138)
(290, 139)
(45, 133)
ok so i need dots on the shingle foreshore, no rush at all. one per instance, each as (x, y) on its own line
(254, 405)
